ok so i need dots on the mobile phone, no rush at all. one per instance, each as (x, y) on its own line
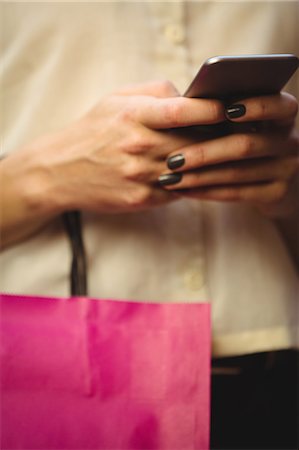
(233, 77)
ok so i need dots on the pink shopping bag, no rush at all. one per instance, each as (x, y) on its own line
(82, 374)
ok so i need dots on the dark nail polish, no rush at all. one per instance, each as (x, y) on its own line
(176, 161)
(235, 111)
(170, 178)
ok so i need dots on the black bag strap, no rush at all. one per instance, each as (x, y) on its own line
(78, 271)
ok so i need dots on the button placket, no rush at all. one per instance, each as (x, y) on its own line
(192, 268)
(193, 277)
(175, 33)
(169, 44)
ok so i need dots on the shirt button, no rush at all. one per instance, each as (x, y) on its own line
(193, 279)
(175, 33)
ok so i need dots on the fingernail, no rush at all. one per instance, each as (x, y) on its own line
(235, 111)
(170, 178)
(176, 161)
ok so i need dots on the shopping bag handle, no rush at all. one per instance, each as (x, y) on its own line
(78, 271)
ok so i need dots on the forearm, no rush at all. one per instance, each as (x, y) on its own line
(34, 185)
(25, 203)
(288, 228)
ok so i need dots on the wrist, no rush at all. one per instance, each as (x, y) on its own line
(285, 208)
(25, 202)
(285, 216)
(47, 173)
(27, 181)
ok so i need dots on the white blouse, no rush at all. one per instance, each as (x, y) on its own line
(58, 59)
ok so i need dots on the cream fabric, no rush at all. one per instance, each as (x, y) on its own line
(57, 60)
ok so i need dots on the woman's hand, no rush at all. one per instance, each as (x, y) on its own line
(107, 162)
(258, 165)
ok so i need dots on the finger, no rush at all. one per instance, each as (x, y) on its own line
(169, 142)
(154, 145)
(178, 112)
(159, 89)
(264, 193)
(233, 148)
(141, 197)
(280, 107)
(142, 170)
(157, 197)
(243, 172)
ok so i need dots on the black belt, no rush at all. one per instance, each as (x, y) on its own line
(257, 362)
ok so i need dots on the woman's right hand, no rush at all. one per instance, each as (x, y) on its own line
(106, 162)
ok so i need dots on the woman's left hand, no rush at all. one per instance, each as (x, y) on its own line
(257, 166)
